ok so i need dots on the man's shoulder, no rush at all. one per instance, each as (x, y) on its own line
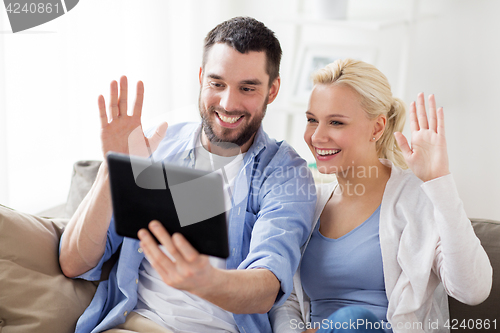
(282, 153)
(179, 138)
(181, 131)
(280, 162)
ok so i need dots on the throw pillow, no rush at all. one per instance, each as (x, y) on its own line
(34, 294)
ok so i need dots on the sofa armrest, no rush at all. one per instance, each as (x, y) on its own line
(488, 232)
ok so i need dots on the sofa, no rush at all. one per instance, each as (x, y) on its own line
(35, 297)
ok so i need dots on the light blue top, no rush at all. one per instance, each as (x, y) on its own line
(274, 201)
(345, 271)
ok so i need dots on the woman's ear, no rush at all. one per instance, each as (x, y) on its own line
(379, 126)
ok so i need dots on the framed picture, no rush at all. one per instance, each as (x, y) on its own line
(314, 57)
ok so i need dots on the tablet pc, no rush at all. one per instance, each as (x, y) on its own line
(184, 200)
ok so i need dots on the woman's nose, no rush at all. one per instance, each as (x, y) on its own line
(320, 134)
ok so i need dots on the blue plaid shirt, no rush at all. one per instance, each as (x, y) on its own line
(274, 199)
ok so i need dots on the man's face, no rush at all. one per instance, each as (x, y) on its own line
(234, 95)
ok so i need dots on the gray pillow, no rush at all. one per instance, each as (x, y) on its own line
(84, 174)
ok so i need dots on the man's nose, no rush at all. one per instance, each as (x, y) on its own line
(229, 100)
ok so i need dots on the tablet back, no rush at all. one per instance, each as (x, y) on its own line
(184, 200)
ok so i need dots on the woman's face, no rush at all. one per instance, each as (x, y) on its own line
(338, 131)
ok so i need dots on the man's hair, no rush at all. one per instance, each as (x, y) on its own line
(245, 34)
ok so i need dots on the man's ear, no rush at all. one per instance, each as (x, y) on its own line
(379, 127)
(200, 75)
(273, 90)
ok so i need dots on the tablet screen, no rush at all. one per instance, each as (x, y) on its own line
(184, 200)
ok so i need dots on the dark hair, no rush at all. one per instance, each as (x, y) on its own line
(245, 34)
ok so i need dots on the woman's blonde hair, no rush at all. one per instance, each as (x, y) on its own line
(375, 97)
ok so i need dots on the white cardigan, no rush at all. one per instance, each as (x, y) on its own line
(429, 248)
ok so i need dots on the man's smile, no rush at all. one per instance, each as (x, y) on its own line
(228, 121)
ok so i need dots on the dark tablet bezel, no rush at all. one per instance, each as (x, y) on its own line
(135, 206)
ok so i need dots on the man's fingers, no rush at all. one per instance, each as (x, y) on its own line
(123, 95)
(155, 255)
(432, 113)
(163, 236)
(139, 98)
(421, 114)
(185, 248)
(113, 103)
(158, 135)
(102, 111)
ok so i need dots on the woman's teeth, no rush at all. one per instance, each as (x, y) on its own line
(230, 120)
(324, 152)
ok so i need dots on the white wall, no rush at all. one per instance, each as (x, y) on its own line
(457, 57)
(54, 73)
(455, 54)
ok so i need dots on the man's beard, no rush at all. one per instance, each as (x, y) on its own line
(247, 132)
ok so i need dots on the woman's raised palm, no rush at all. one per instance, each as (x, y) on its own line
(428, 156)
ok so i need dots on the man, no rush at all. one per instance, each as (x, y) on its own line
(272, 200)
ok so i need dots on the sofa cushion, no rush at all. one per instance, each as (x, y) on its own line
(488, 232)
(34, 294)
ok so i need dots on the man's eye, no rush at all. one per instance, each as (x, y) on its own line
(216, 84)
(247, 89)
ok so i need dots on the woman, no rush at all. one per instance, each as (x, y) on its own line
(387, 243)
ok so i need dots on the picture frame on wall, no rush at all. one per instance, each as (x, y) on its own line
(314, 57)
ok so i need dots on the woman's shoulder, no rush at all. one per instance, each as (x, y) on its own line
(404, 188)
(323, 193)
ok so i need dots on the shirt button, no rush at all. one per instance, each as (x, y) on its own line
(140, 250)
(136, 281)
(125, 313)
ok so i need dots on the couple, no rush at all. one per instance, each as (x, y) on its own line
(380, 254)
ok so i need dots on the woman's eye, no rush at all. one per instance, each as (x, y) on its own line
(311, 120)
(336, 122)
